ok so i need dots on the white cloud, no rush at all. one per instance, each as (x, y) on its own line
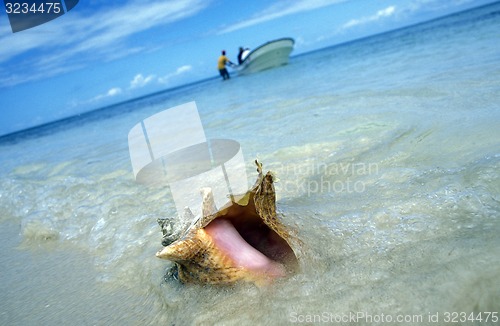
(114, 91)
(279, 10)
(81, 37)
(137, 82)
(111, 93)
(183, 69)
(179, 71)
(141, 81)
(384, 13)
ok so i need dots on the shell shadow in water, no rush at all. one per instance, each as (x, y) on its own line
(242, 241)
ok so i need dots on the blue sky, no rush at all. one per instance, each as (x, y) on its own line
(105, 52)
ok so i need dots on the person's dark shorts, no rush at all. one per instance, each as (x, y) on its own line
(224, 73)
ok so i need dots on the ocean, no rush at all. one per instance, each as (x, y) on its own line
(387, 154)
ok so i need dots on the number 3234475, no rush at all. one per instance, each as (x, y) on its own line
(34, 8)
(462, 317)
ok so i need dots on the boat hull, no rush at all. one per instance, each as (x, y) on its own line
(269, 55)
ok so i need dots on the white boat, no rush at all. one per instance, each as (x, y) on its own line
(268, 55)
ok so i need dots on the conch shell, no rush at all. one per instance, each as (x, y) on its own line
(242, 241)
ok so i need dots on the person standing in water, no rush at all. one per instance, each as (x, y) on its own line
(221, 65)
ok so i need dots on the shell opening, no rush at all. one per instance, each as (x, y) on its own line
(251, 244)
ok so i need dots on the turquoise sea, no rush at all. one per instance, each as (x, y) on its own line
(387, 151)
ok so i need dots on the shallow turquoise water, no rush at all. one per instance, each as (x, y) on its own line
(387, 154)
